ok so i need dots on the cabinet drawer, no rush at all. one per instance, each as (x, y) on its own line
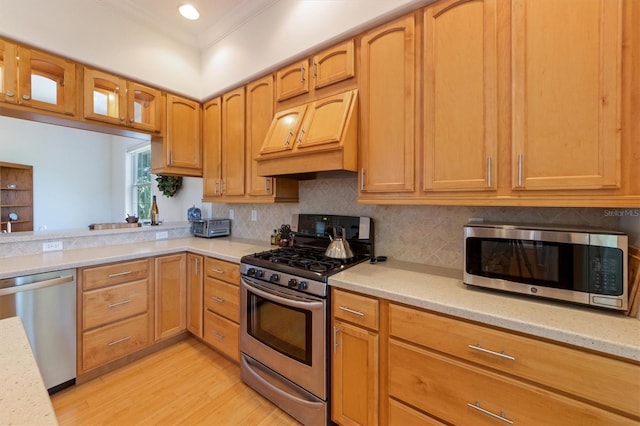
(463, 394)
(222, 270)
(222, 298)
(114, 341)
(354, 308)
(400, 414)
(117, 273)
(114, 303)
(571, 370)
(222, 334)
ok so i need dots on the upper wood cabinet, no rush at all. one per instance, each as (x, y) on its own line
(37, 79)
(327, 67)
(283, 130)
(567, 94)
(388, 118)
(8, 71)
(460, 96)
(180, 151)
(114, 100)
(224, 146)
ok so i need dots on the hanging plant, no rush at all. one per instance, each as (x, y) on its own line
(169, 185)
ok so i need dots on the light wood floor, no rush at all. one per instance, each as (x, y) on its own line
(187, 383)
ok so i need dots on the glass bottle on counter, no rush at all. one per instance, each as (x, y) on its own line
(275, 238)
(155, 213)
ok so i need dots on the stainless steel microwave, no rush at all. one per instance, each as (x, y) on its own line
(578, 265)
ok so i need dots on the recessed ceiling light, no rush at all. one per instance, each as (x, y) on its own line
(189, 12)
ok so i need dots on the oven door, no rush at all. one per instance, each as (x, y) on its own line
(286, 331)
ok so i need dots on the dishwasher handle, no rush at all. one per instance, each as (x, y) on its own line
(38, 284)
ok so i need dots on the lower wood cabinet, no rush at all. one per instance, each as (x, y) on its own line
(423, 368)
(222, 306)
(115, 312)
(354, 372)
(195, 288)
(171, 295)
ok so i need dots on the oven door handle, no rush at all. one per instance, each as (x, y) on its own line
(303, 303)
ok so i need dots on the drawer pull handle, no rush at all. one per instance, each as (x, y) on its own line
(487, 351)
(501, 417)
(217, 271)
(124, 302)
(119, 274)
(217, 299)
(217, 335)
(351, 311)
(115, 342)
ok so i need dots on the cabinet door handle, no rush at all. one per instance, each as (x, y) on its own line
(351, 311)
(217, 335)
(487, 351)
(124, 302)
(119, 274)
(216, 187)
(300, 135)
(115, 342)
(301, 73)
(315, 70)
(286, 142)
(217, 271)
(10, 94)
(519, 170)
(500, 417)
(197, 262)
(217, 299)
(335, 338)
(489, 172)
(26, 97)
(362, 179)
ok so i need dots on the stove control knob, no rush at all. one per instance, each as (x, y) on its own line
(303, 285)
(274, 278)
(251, 271)
(259, 273)
(293, 283)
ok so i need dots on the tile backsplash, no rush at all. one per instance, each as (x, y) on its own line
(430, 235)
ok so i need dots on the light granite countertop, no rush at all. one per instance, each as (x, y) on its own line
(436, 289)
(23, 397)
(442, 290)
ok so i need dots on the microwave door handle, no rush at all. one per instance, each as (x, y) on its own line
(272, 296)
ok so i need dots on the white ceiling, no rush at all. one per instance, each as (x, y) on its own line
(218, 18)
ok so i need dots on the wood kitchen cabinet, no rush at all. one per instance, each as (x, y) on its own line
(460, 92)
(195, 294)
(466, 373)
(112, 99)
(16, 196)
(170, 295)
(354, 374)
(222, 306)
(567, 94)
(115, 312)
(235, 126)
(179, 150)
(388, 114)
(37, 79)
(327, 67)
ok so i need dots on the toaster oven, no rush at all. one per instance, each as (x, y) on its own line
(209, 228)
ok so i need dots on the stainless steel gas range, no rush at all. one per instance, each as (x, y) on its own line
(284, 306)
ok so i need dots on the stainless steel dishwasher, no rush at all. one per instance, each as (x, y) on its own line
(46, 304)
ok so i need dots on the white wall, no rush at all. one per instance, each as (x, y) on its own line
(89, 32)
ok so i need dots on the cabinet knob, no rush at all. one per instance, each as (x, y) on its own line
(10, 94)
(26, 97)
(122, 118)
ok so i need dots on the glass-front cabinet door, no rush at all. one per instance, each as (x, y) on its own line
(112, 99)
(105, 97)
(46, 81)
(144, 106)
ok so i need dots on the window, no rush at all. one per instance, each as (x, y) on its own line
(141, 182)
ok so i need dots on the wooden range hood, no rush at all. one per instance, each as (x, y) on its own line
(321, 136)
